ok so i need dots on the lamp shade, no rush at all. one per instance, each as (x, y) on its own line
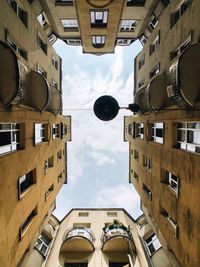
(106, 108)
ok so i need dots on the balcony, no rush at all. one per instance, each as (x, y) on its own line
(117, 238)
(78, 240)
(184, 78)
(13, 76)
(55, 103)
(38, 93)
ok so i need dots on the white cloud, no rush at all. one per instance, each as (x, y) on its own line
(120, 196)
(101, 158)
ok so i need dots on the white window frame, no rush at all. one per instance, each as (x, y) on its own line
(147, 191)
(69, 24)
(75, 42)
(40, 135)
(41, 70)
(30, 177)
(40, 244)
(155, 44)
(14, 130)
(143, 39)
(154, 71)
(128, 25)
(186, 144)
(124, 42)
(48, 164)
(153, 22)
(98, 40)
(49, 191)
(139, 128)
(98, 18)
(172, 181)
(141, 83)
(152, 241)
(182, 46)
(154, 127)
(171, 221)
(55, 130)
(147, 163)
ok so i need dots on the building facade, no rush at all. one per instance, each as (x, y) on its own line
(33, 131)
(96, 25)
(164, 136)
(92, 237)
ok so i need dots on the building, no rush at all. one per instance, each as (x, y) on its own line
(92, 237)
(96, 25)
(33, 131)
(164, 144)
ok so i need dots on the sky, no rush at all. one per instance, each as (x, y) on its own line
(98, 160)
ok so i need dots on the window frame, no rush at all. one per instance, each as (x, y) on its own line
(151, 243)
(27, 223)
(40, 243)
(154, 44)
(99, 23)
(155, 71)
(15, 135)
(128, 25)
(98, 41)
(152, 133)
(42, 44)
(20, 12)
(42, 130)
(29, 179)
(70, 25)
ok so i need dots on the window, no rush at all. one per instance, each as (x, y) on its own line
(83, 214)
(70, 24)
(26, 181)
(59, 155)
(23, 15)
(152, 243)
(141, 83)
(74, 41)
(42, 19)
(135, 175)
(27, 222)
(64, 2)
(180, 11)
(54, 83)
(55, 130)
(41, 70)
(112, 214)
(153, 22)
(143, 39)
(15, 47)
(98, 41)
(99, 18)
(43, 244)
(48, 164)
(141, 62)
(41, 133)
(147, 191)
(59, 178)
(157, 132)
(136, 154)
(147, 163)
(185, 44)
(155, 44)
(128, 25)
(51, 188)
(188, 134)
(54, 62)
(41, 44)
(139, 130)
(9, 137)
(131, 129)
(135, 2)
(171, 180)
(154, 71)
(64, 129)
(171, 221)
(124, 42)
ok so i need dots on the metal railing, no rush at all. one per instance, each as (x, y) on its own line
(79, 232)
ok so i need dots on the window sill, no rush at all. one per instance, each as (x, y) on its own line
(26, 191)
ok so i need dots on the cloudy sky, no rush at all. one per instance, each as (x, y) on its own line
(97, 156)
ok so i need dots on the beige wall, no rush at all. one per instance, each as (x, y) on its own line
(170, 39)
(182, 164)
(97, 219)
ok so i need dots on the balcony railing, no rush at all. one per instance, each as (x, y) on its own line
(116, 231)
(80, 232)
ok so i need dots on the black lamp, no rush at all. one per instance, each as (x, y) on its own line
(106, 108)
